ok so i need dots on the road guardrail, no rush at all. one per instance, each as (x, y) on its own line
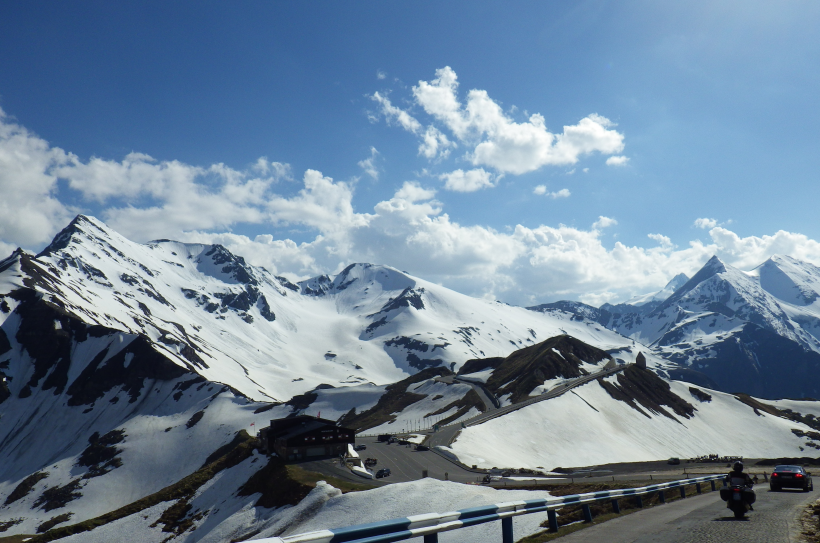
(428, 525)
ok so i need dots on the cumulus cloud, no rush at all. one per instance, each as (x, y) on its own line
(617, 161)
(496, 140)
(541, 190)
(500, 142)
(705, 223)
(662, 240)
(381, 75)
(149, 199)
(30, 213)
(144, 198)
(369, 164)
(413, 192)
(434, 144)
(603, 222)
(469, 181)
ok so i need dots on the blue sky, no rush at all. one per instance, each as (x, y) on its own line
(153, 116)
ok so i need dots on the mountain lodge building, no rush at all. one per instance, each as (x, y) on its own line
(303, 436)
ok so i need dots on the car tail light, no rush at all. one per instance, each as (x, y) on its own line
(798, 474)
(774, 475)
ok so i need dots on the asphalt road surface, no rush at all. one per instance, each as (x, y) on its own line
(407, 464)
(705, 519)
(447, 435)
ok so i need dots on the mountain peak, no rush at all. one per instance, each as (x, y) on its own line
(713, 265)
(80, 224)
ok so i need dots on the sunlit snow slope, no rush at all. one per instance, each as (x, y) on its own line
(213, 314)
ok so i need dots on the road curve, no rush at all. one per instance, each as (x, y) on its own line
(705, 519)
(446, 435)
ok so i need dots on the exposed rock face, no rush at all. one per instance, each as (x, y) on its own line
(525, 369)
(729, 329)
(640, 361)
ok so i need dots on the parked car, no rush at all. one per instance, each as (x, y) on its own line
(404, 442)
(790, 477)
(360, 447)
(422, 448)
(370, 462)
(384, 472)
(674, 461)
(384, 438)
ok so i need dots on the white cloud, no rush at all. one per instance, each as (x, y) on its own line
(506, 145)
(469, 181)
(380, 75)
(617, 161)
(369, 164)
(30, 213)
(662, 240)
(705, 223)
(396, 115)
(525, 265)
(433, 142)
(541, 190)
(413, 192)
(603, 222)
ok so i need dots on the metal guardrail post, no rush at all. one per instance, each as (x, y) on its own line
(713, 486)
(587, 513)
(430, 524)
(506, 530)
(698, 488)
(552, 520)
(682, 492)
(616, 507)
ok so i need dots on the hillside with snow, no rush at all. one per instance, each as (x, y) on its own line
(754, 331)
(210, 313)
(133, 377)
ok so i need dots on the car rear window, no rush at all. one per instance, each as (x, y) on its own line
(787, 468)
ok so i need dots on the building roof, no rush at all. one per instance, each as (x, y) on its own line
(294, 426)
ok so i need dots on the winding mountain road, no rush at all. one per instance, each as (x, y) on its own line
(446, 435)
(705, 519)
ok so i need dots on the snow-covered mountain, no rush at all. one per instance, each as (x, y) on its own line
(755, 331)
(653, 299)
(131, 375)
(210, 313)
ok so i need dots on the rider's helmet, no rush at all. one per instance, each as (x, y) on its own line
(738, 466)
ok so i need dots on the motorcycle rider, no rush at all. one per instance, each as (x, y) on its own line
(737, 477)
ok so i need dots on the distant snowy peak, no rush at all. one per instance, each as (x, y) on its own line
(790, 280)
(362, 276)
(212, 313)
(667, 291)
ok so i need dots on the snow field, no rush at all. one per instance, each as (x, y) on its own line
(413, 416)
(414, 498)
(587, 427)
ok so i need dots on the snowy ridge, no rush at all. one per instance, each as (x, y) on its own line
(211, 313)
(729, 329)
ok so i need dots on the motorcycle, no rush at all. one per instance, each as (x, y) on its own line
(738, 498)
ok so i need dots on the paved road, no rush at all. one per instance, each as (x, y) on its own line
(407, 464)
(447, 435)
(705, 519)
